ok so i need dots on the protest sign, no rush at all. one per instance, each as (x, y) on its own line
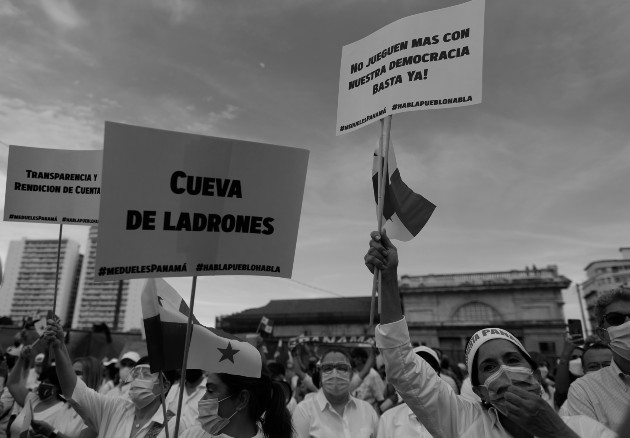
(431, 60)
(177, 204)
(53, 185)
(347, 341)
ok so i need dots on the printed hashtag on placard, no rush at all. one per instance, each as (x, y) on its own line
(199, 266)
(102, 271)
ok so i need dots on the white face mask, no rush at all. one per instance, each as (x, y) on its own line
(575, 367)
(620, 339)
(336, 383)
(209, 416)
(141, 392)
(493, 389)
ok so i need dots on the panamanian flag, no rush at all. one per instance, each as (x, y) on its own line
(405, 212)
(165, 316)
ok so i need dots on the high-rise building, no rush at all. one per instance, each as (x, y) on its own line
(602, 276)
(29, 279)
(115, 303)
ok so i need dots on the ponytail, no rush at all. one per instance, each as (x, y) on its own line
(276, 423)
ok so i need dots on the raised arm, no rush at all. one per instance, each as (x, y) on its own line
(17, 377)
(383, 255)
(53, 335)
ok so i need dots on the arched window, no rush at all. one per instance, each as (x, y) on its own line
(477, 312)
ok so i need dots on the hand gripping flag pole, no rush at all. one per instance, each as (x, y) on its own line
(182, 379)
(383, 149)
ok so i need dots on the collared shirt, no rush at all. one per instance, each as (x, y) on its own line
(189, 401)
(434, 402)
(371, 388)
(197, 432)
(401, 422)
(315, 417)
(113, 417)
(603, 395)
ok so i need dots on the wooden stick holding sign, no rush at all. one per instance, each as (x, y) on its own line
(383, 150)
(182, 380)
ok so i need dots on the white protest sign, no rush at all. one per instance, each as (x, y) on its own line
(431, 60)
(53, 185)
(177, 204)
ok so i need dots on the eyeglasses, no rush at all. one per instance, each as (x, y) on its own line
(342, 367)
(616, 318)
(142, 372)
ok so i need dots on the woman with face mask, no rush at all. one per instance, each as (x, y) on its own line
(47, 411)
(242, 407)
(333, 412)
(140, 415)
(502, 374)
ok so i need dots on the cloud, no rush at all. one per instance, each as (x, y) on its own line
(62, 13)
(7, 9)
(179, 10)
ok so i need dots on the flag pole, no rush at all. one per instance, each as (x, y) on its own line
(54, 307)
(378, 215)
(163, 399)
(182, 380)
(383, 150)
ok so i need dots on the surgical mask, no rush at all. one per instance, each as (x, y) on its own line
(209, 416)
(124, 373)
(336, 383)
(493, 389)
(141, 392)
(620, 339)
(575, 367)
(45, 391)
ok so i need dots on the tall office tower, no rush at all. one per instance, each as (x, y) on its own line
(115, 303)
(29, 278)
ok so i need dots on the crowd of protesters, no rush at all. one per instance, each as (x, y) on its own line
(397, 388)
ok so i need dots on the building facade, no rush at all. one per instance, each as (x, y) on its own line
(442, 311)
(28, 288)
(602, 276)
(115, 303)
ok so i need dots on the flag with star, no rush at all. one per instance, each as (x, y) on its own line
(165, 316)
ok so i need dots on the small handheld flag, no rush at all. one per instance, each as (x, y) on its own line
(404, 211)
(165, 318)
(266, 325)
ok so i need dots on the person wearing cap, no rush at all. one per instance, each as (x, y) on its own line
(32, 381)
(503, 375)
(604, 395)
(110, 376)
(126, 363)
(138, 415)
(400, 421)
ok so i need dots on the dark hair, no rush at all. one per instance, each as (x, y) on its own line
(612, 296)
(339, 350)
(359, 353)
(49, 374)
(594, 346)
(92, 374)
(266, 404)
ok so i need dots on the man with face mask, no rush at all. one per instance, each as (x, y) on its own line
(333, 412)
(605, 394)
(137, 416)
(126, 363)
(503, 375)
(194, 389)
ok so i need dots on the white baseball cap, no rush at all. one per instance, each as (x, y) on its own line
(431, 351)
(131, 355)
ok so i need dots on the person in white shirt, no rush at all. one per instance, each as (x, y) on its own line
(194, 389)
(502, 373)
(371, 388)
(333, 412)
(400, 421)
(32, 381)
(604, 395)
(127, 361)
(138, 415)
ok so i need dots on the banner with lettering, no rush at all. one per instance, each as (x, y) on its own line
(60, 186)
(177, 204)
(431, 60)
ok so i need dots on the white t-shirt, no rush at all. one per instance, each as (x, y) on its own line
(60, 416)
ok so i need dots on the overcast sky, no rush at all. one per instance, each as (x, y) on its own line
(535, 174)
